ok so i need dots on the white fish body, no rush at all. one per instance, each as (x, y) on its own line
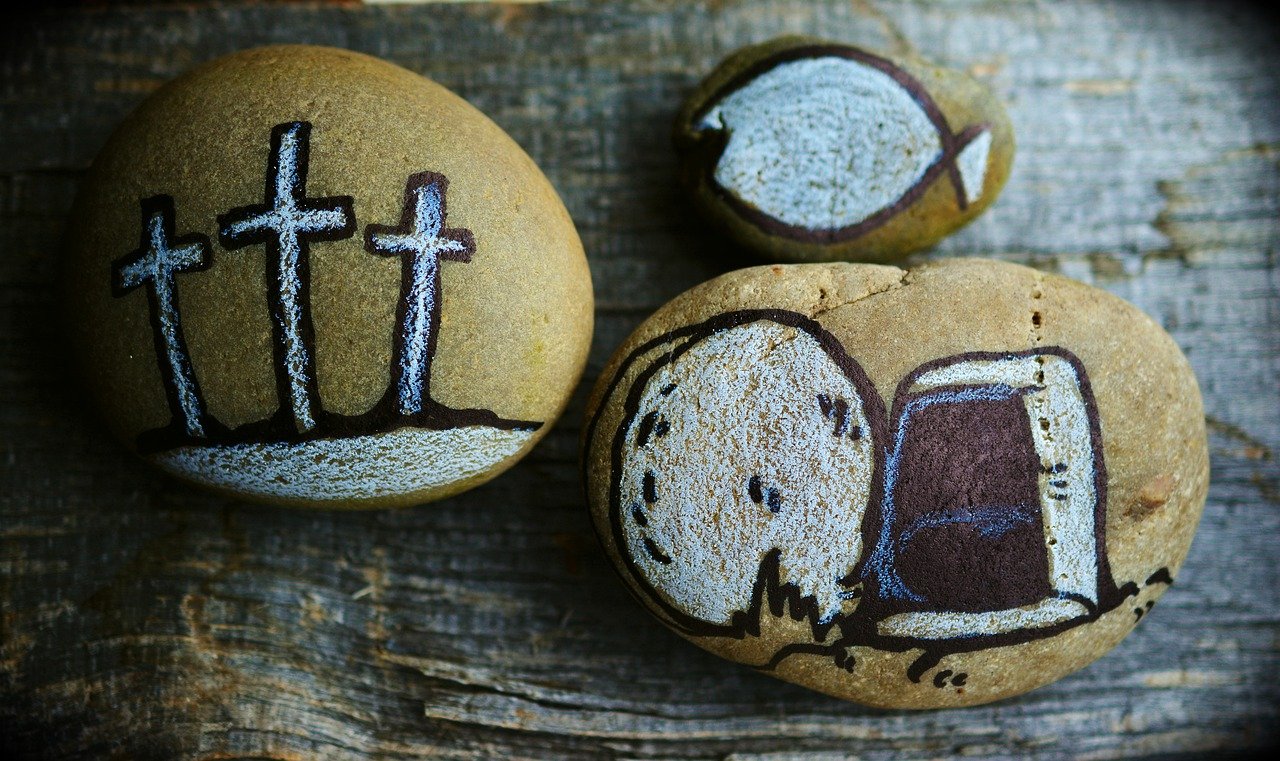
(827, 143)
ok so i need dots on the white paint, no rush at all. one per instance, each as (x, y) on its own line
(1068, 523)
(1060, 431)
(822, 143)
(1014, 372)
(157, 266)
(336, 470)
(934, 625)
(745, 404)
(286, 222)
(426, 246)
(972, 163)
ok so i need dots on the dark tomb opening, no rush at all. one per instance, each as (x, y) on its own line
(967, 527)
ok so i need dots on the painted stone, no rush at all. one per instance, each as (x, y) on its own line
(913, 489)
(307, 276)
(807, 150)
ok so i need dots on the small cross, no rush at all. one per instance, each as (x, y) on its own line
(422, 241)
(158, 259)
(286, 222)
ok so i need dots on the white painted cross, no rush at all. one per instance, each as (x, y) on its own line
(157, 260)
(286, 222)
(423, 241)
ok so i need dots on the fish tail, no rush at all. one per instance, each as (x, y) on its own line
(966, 161)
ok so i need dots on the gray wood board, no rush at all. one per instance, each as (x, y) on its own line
(140, 618)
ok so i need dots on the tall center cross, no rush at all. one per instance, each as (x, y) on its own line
(286, 222)
(158, 259)
(422, 241)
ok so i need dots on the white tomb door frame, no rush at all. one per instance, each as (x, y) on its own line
(1071, 486)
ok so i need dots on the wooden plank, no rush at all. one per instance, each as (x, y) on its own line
(140, 618)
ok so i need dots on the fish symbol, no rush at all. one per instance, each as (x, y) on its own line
(827, 142)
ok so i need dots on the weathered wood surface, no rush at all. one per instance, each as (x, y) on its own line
(144, 619)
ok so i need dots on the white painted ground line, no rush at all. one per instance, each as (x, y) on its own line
(361, 467)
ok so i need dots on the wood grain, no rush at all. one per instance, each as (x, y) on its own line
(142, 619)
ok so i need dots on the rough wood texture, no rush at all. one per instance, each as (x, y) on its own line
(143, 619)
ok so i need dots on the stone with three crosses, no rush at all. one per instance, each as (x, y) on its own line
(307, 276)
